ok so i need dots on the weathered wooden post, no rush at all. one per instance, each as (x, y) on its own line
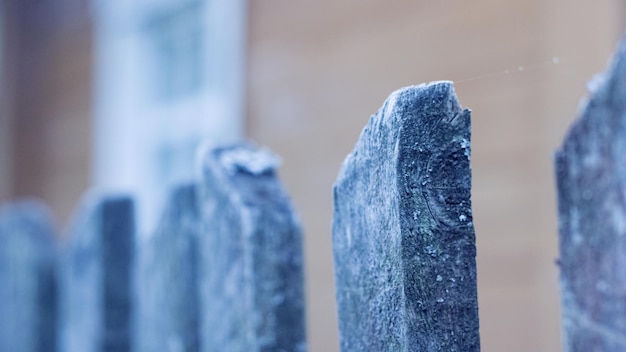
(167, 301)
(28, 287)
(251, 253)
(96, 278)
(591, 180)
(403, 238)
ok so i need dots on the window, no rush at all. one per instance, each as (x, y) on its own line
(168, 78)
(176, 39)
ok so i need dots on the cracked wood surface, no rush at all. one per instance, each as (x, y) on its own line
(403, 237)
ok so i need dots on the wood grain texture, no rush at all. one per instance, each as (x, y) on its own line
(403, 237)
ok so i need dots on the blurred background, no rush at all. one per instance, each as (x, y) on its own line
(118, 94)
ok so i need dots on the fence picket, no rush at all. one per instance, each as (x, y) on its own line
(251, 272)
(403, 238)
(28, 285)
(591, 183)
(96, 278)
(167, 298)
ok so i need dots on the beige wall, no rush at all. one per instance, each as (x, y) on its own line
(48, 101)
(6, 141)
(319, 69)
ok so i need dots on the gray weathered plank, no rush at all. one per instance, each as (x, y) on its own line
(167, 304)
(96, 278)
(28, 286)
(591, 181)
(403, 238)
(251, 255)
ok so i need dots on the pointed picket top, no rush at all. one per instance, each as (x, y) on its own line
(403, 238)
(591, 182)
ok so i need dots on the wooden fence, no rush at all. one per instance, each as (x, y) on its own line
(224, 269)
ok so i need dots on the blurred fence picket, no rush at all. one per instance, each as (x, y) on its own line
(28, 286)
(591, 182)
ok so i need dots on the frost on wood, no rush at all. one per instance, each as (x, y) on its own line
(167, 309)
(251, 278)
(591, 180)
(403, 238)
(96, 281)
(28, 287)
